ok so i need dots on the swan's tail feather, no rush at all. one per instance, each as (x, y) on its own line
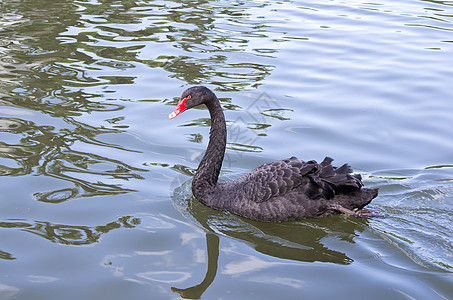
(339, 184)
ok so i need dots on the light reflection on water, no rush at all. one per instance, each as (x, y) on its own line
(86, 147)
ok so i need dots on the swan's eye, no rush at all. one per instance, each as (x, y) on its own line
(188, 97)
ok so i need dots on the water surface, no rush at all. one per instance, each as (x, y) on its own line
(96, 198)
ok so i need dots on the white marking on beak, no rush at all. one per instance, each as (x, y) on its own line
(172, 115)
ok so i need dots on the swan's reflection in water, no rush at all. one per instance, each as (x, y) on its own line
(196, 291)
(168, 253)
(304, 241)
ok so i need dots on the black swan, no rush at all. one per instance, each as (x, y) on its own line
(284, 190)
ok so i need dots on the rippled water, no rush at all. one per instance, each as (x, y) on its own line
(95, 183)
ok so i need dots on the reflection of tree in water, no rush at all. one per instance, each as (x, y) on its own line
(6, 255)
(38, 81)
(197, 33)
(196, 28)
(70, 234)
(50, 48)
(43, 151)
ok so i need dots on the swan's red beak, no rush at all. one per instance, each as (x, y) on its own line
(179, 109)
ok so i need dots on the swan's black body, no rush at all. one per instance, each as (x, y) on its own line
(283, 190)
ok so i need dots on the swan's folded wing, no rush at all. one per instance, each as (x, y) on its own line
(277, 178)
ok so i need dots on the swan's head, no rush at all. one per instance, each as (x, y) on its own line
(191, 97)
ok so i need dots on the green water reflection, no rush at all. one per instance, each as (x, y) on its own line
(40, 78)
(70, 234)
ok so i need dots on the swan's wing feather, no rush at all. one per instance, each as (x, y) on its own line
(276, 178)
(310, 178)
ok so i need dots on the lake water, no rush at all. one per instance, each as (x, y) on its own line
(96, 200)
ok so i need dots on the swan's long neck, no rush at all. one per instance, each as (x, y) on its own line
(208, 171)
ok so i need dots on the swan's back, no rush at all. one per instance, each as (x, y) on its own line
(292, 189)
